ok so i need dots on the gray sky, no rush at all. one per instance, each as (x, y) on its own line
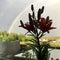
(9, 9)
(52, 9)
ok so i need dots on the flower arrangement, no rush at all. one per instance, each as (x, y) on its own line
(37, 27)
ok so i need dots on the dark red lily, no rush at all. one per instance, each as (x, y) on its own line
(45, 27)
(26, 26)
(41, 23)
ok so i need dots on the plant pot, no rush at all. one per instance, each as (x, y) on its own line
(9, 48)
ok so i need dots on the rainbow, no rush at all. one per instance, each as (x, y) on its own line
(35, 3)
(15, 20)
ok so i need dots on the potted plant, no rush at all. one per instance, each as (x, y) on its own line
(9, 45)
(38, 27)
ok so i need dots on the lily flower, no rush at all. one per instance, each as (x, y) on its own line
(45, 27)
(26, 26)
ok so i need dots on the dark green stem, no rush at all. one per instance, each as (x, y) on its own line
(39, 46)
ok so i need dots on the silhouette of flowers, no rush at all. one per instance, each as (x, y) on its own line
(37, 27)
(43, 24)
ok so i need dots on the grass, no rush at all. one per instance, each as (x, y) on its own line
(24, 40)
(51, 37)
(54, 43)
